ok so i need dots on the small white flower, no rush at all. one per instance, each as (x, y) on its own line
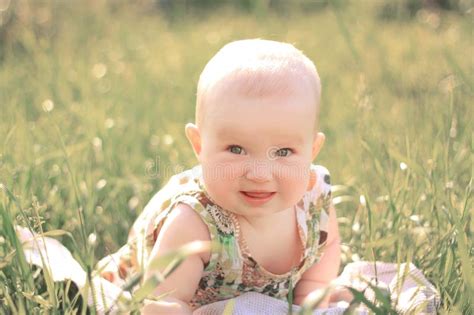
(133, 203)
(356, 227)
(382, 198)
(99, 70)
(83, 188)
(403, 166)
(47, 105)
(97, 143)
(53, 190)
(453, 132)
(362, 200)
(168, 139)
(100, 184)
(109, 123)
(92, 239)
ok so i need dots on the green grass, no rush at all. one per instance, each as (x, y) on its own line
(396, 109)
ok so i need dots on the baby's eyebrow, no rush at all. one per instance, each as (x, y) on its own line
(225, 132)
(292, 140)
(283, 138)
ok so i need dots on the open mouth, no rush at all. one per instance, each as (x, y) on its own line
(257, 198)
(258, 195)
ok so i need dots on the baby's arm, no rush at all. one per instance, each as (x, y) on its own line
(181, 227)
(326, 269)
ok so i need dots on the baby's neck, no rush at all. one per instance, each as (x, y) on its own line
(261, 223)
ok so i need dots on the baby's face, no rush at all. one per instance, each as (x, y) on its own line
(256, 152)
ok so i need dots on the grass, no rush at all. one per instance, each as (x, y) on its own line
(94, 99)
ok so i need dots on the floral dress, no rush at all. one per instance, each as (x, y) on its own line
(231, 270)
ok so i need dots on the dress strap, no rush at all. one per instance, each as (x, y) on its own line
(193, 200)
(317, 203)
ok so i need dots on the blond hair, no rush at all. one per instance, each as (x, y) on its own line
(256, 68)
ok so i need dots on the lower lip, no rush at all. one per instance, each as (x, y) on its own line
(257, 201)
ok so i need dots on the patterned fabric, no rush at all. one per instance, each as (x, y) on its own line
(231, 270)
(410, 293)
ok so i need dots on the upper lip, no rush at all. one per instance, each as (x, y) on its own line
(258, 191)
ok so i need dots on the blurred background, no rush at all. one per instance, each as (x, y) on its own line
(94, 96)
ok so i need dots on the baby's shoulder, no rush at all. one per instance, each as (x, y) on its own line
(187, 223)
(184, 226)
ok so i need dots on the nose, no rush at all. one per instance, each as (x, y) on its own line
(259, 171)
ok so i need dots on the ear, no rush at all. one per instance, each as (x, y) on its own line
(194, 137)
(318, 143)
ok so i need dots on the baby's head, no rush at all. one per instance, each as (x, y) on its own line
(256, 68)
(256, 120)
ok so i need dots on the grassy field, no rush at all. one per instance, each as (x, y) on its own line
(94, 97)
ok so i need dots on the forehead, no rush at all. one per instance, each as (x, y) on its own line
(286, 117)
(292, 86)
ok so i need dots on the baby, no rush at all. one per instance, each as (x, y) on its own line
(255, 193)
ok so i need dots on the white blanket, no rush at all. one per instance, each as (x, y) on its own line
(409, 291)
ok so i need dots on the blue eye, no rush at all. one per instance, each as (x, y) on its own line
(283, 152)
(236, 149)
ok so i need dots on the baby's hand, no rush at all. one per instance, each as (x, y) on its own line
(341, 293)
(166, 306)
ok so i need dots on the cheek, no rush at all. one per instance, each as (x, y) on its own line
(295, 178)
(221, 171)
(296, 171)
(221, 179)
(221, 190)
